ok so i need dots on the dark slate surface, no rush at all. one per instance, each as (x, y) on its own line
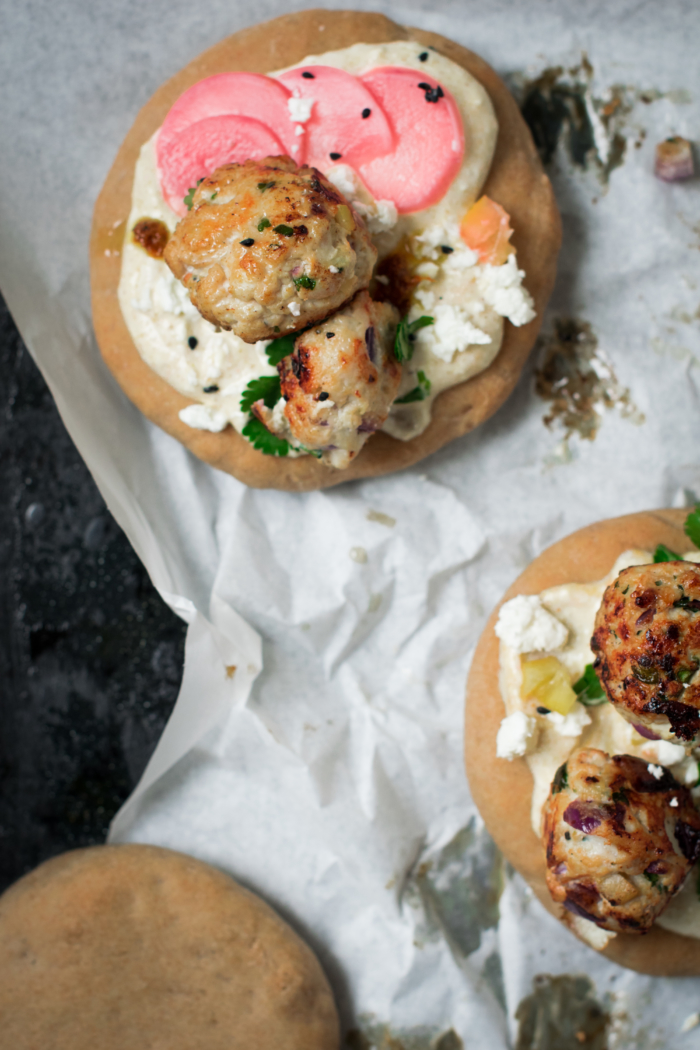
(90, 656)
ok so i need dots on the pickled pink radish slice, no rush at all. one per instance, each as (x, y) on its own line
(429, 139)
(245, 94)
(346, 125)
(199, 148)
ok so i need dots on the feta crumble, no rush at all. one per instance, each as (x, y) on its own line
(294, 308)
(656, 771)
(516, 735)
(200, 417)
(502, 289)
(571, 724)
(451, 332)
(300, 109)
(668, 754)
(527, 627)
(673, 803)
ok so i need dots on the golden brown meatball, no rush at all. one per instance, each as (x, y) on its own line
(647, 640)
(620, 837)
(269, 248)
(340, 381)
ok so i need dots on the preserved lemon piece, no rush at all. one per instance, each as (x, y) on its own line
(547, 682)
(486, 229)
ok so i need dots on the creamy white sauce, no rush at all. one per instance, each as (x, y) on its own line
(547, 747)
(467, 300)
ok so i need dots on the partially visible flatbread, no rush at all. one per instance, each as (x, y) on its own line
(502, 790)
(136, 946)
(516, 181)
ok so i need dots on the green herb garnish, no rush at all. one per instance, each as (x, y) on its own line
(266, 388)
(653, 879)
(280, 348)
(189, 196)
(285, 231)
(304, 281)
(262, 186)
(214, 196)
(561, 780)
(662, 553)
(692, 526)
(263, 225)
(419, 393)
(685, 674)
(261, 438)
(405, 334)
(588, 688)
(620, 796)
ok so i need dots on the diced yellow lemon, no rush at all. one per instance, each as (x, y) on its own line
(547, 682)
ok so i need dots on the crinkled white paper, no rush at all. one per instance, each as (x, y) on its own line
(325, 771)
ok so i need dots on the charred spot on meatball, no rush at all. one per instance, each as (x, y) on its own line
(647, 637)
(270, 247)
(619, 839)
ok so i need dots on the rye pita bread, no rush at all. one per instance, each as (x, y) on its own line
(502, 790)
(516, 181)
(136, 946)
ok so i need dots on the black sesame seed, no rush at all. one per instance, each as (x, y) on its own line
(330, 335)
(323, 396)
(432, 94)
(336, 156)
(423, 56)
(309, 76)
(543, 711)
(247, 242)
(192, 342)
(445, 249)
(210, 389)
(366, 113)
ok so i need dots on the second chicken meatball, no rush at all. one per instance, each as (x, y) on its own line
(647, 640)
(269, 248)
(339, 383)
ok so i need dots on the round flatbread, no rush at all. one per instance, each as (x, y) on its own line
(137, 946)
(516, 180)
(502, 789)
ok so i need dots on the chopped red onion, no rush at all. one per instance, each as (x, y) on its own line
(643, 731)
(585, 816)
(674, 160)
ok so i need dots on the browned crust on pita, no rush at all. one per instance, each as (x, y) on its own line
(502, 790)
(516, 181)
(134, 945)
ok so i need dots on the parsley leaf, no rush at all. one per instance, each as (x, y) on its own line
(263, 225)
(304, 281)
(662, 553)
(311, 451)
(261, 438)
(403, 343)
(653, 879)
(692, 526)
(280, 348)
(588, 688)
(561, 780)
(188, 199)
(266, 387)
(286, 231)
(419, 393)
(262, 186)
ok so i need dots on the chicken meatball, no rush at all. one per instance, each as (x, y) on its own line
(647, 641)
(339, 383)
(620, 837)
(269, 248)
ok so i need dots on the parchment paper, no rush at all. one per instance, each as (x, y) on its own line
(325, 771)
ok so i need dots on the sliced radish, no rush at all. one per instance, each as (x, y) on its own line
(429, 139)
(198, 149)
(337, 131)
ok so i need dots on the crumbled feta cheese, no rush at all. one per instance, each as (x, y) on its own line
(589, 932)
(526, 626)
(279, 420)
(674, 803)
(344, 179)
(434, 237)
(502, 289)
(451, 332)
(691, 772)
(427, 269)
(300, 109)
(299, 130)
(461, 259)
(425, 298)
(656, 771)
(201, 417)
(294, 308)
(334, 269)
(571, 724)
(379, 216)
(516, 734)
(668, 754)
